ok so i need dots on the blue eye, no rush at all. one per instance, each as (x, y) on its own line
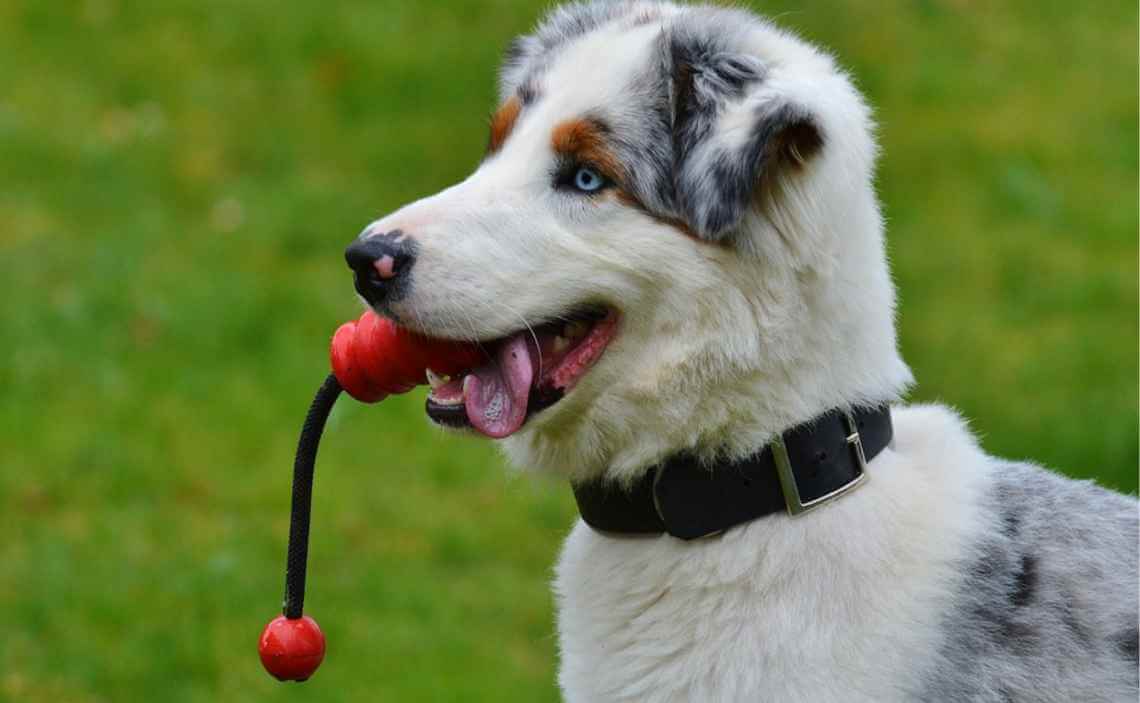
(588, 180)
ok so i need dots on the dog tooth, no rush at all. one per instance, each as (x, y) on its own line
(435, 380)
(575, 329)
(561, 343)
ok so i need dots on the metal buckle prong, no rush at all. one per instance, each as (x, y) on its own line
(795, 504)
(855, 442)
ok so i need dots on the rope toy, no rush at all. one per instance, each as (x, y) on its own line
(371, 359)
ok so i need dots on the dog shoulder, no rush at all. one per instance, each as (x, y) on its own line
(1053, 578)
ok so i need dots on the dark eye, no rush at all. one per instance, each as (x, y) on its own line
(588, 180)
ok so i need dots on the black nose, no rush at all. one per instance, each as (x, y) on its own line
(381, 265)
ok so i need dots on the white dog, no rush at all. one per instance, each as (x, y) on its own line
(674, 257)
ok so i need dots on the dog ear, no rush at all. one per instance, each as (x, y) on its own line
(733, 136)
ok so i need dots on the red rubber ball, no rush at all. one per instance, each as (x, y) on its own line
(351, 377)
(291, 650)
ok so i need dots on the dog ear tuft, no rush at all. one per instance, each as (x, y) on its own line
(731, 136)
(517, 57)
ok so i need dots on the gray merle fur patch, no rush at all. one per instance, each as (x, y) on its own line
(1047, 606)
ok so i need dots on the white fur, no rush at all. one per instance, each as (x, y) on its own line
(830, 607)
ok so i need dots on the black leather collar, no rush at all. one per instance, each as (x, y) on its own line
(803, 468)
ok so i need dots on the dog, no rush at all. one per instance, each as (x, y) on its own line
(673, 256)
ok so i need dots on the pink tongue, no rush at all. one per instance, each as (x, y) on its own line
(497, 392)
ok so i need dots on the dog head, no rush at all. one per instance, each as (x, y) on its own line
(672, 243)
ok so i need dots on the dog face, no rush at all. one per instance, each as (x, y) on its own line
(671, 243)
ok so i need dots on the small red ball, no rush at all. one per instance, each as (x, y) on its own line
(291, 650)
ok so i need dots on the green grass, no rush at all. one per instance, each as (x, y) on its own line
(178, 179)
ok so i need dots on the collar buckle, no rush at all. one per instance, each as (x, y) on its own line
(787, 475)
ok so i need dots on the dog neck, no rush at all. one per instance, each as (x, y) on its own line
(623, 433)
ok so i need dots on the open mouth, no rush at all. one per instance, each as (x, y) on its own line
(527, 371)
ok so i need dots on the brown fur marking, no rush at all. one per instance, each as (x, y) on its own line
(502, 123)
(584, 141)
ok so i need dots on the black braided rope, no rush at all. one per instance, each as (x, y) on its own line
(303, 467)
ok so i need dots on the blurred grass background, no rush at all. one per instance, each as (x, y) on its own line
(177, 182)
